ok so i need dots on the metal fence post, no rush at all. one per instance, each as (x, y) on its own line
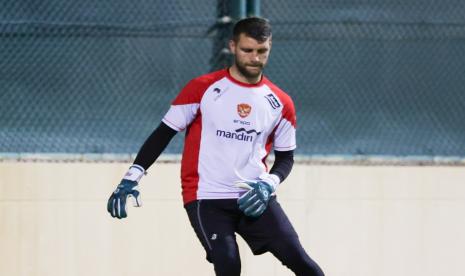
(253, 8)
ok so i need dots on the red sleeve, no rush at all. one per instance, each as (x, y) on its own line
(191, 93)
(185, 107)
(194, 90)
(289, 110)
(285, 132)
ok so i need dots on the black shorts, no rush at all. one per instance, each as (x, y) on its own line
(214, 219)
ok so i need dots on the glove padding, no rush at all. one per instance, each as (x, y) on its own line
(117, 201)
(254, 202)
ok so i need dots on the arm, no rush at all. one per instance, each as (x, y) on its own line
(154, 146)
(147, 155)
(254, 202)
(183, 110)
(283, 162)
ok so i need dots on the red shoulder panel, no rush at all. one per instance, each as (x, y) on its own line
(194, 89)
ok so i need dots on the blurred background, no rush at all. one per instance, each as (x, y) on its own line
(375, 82)
(369, 78)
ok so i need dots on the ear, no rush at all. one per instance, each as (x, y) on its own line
(232, 46)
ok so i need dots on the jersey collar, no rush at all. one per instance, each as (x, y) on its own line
(260, 83)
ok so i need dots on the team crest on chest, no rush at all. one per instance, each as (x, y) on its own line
(243, 110)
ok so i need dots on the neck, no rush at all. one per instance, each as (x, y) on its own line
(236, 74)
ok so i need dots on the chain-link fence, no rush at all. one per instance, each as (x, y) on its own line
(95, 76)
(367, 77)
(373, 77)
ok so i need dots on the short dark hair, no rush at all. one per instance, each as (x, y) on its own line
(255, 27)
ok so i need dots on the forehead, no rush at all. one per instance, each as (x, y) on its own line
(249, 42)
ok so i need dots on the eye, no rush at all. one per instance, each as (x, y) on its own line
(247, 50)
(262, 51)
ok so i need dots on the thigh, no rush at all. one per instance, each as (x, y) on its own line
(214, 222)
(259, 233)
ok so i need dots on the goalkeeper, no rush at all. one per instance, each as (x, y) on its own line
(233, 118)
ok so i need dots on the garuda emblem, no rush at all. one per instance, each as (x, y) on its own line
(243, 110)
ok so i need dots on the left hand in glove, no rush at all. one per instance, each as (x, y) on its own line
(254, 202)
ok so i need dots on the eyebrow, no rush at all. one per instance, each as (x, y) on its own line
(259, 49)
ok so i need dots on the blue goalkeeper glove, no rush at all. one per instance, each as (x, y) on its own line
(127, 188)
(254, 202)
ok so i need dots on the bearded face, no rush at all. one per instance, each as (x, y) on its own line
(249, 69)
(250, 55)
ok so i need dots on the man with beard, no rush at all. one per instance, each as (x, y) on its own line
(233, 118)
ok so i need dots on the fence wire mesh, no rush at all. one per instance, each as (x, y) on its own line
(369, 78)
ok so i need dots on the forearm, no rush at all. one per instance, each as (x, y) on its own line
(154, 145)
(282, 166)
(149, 152)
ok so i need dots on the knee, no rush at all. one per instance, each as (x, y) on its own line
(293, 256)
(227, 265)
(225, 257)
(303, 265)
(307, 267)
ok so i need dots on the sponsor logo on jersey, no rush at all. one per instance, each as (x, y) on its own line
(243, 110)
(248, 131)
(241, 122)
(273, 101)
(240, 134)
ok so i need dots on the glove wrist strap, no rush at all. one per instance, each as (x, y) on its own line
(271, 179)
(134, 173)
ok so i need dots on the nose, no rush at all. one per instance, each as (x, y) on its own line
(255, 57)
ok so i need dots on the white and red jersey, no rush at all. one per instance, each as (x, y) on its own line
(230, 129)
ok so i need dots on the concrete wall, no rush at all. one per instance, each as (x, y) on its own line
(354, 221)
